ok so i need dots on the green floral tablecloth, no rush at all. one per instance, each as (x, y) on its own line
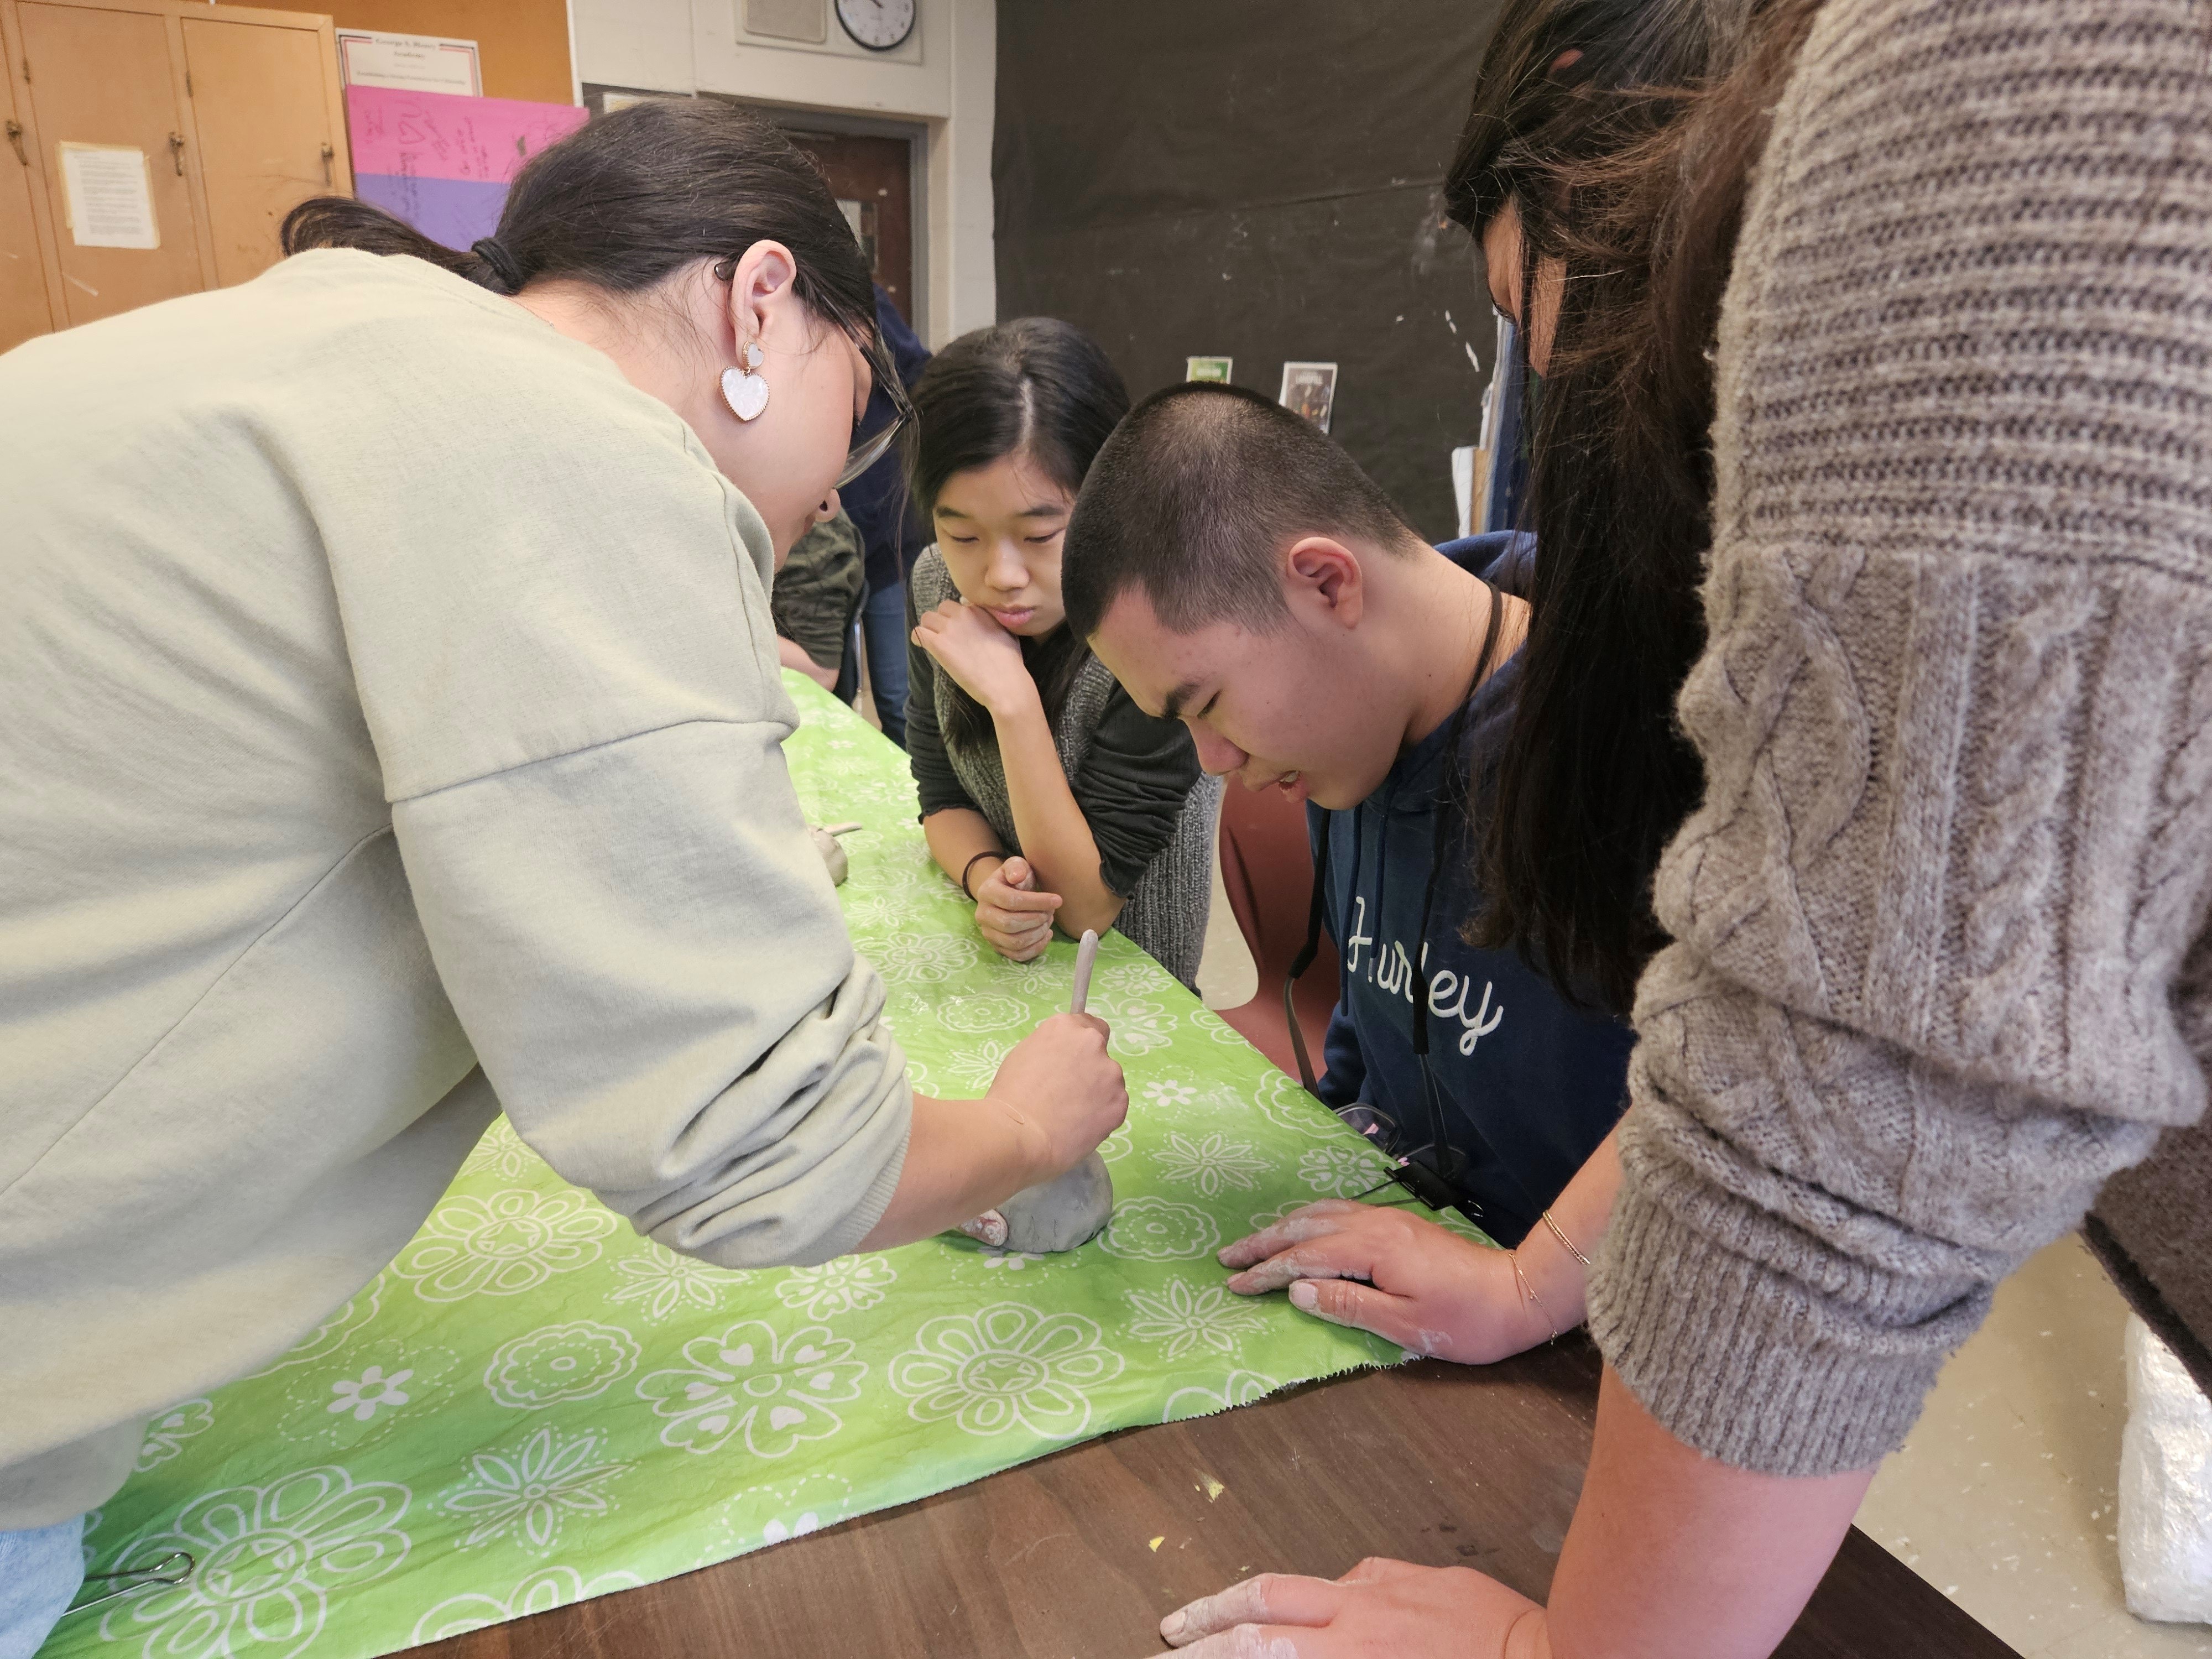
(532, 1405)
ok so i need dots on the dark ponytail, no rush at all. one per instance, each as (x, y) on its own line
(1036, 385)
(629, 199)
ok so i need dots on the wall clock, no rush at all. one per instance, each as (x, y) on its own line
(878, 25)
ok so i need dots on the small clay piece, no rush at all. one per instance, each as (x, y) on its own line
(832, 849)
(1060, 1213)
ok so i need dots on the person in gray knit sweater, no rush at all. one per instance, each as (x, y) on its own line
(1939, 963)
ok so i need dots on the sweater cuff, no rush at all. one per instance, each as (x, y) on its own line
(1731, 1359)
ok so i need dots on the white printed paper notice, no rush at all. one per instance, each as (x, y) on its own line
(410, 62)
(108, 199)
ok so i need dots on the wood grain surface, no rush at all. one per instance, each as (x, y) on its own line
(1434, 1463)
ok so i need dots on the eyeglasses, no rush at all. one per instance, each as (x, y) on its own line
(866, 452)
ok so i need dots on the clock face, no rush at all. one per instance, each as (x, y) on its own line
(878, 25)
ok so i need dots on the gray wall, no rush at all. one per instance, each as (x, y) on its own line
(1261, 181)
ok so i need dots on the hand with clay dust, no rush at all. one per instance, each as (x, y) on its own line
(1379, 1607)
(1402, 1276)
(1014, 918)
(1061, 1082)
(970, 644)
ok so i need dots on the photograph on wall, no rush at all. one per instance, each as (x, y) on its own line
(1207, 369)
(1309, 389)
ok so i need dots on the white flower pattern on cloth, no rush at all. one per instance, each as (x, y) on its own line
(1149, 1229)
(557, 1363)
(774, 1511)
(666, 1282)
(503, 1154)
(775, 1390)
(327, 1338)
(363, 1395)
(1241, 1389)
(977, 1065)
(1183, 1319)
(1118, 1146)
(1167, 1094)
(1005, 1367)
(266, 1561)
(1341, 1171)
(993, 1013)
(922, 958)
(166, 1434)
(1130, 978)
(502, 1245)
(1140, 1026)
(529, 1489)
(1011, 1261)
(1283, 1101)
(845, 1286)
(1210, 1162)
(541, 1592)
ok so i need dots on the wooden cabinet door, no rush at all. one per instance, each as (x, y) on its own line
(98, 76)
(23, 307)
(268, 132)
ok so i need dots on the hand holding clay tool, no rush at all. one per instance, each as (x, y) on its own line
(1069, 1209)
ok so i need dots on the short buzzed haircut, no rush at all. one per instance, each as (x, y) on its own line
(1193, 501)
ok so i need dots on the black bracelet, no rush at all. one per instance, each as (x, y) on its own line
(971, 863)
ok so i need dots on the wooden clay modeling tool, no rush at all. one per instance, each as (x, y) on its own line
(1069, 1209)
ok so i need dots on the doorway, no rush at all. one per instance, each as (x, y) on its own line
(870, 168)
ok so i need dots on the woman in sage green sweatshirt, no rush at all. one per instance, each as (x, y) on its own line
(393, 737)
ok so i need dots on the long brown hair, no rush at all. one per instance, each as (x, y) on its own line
(1623, 132)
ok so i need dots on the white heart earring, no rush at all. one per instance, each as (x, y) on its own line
(745, 390)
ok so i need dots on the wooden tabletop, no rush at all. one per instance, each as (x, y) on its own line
(1435, 1463)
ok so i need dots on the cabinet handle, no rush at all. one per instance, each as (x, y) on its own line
(15, 137)
(329, 154)
(177, 152)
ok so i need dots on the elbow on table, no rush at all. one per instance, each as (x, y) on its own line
(1079, 915)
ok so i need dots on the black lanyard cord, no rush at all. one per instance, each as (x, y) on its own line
(1419, 1180)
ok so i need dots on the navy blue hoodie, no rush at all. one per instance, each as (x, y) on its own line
(1530, 1085)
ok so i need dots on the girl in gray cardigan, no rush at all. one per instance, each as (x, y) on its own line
(1046, 792)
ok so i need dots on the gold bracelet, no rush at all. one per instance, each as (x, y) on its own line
(1561, 1233)
(1529, 1291)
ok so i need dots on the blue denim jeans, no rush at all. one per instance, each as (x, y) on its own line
(883, 630)
(40, 1573)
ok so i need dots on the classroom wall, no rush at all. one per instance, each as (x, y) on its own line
(523, 45)
(1255, 178)
(941, 83)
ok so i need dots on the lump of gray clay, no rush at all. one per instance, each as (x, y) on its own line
(1060, 1213)
(833, 854)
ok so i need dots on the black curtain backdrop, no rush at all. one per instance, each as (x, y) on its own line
(1261, 181)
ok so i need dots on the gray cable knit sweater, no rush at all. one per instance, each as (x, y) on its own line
(1942, 964)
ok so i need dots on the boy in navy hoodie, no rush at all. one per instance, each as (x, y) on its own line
(1237, 570)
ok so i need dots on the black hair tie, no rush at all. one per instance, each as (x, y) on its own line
(492, 252)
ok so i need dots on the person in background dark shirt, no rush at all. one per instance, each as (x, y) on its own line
(891, 533)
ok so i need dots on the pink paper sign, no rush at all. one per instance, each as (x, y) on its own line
(436, 135)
